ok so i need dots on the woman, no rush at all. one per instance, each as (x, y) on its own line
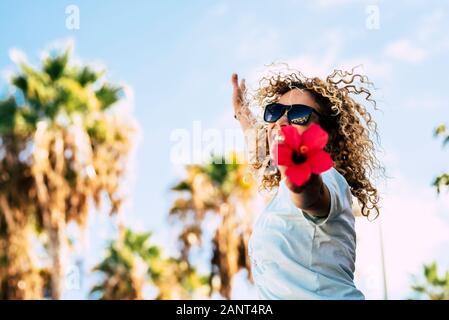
(303, 244)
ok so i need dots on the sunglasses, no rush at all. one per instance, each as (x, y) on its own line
(296, 114)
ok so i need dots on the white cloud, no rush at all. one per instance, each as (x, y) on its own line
(429, 40)
(427, 102)
(309, 64)
(406, 50)
(323, 64)
(17, 56)
(374, 69)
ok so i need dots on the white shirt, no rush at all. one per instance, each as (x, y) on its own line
(296, 256)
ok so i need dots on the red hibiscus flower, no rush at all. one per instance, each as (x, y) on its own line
(302, 154)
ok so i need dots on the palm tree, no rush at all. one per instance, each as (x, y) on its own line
(20, 277)
(179, 280)
(224, 190)
(132, 262)
(435, 287)
(62, 146)
(443, 179)
(126, 265)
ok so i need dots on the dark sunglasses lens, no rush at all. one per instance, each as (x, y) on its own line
(299, 114)
(273, 112)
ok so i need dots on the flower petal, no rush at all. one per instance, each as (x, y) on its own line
(282, 154)
(315, 137)
(320, 161)
(299, 174)
(292, 137)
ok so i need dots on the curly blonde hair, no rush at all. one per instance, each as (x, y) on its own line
(353, 135)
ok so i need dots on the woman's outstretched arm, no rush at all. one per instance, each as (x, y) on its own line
(313, 197)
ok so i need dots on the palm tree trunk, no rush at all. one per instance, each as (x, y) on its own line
(21, 279)
(382, 260)
(57, 246)
(25, 281)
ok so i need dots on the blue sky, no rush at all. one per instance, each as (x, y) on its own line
(178, 57)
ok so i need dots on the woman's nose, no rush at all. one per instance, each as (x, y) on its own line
(283, 121)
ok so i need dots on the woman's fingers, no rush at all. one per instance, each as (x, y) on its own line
(237, 93)
(242, 86)
(241, 110)
(235, 80)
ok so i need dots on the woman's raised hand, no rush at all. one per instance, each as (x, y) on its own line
(241, 110)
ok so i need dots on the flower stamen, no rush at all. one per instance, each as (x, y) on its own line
(303, 149)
